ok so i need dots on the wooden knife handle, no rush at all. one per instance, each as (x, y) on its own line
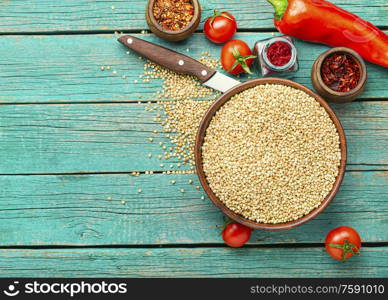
(168, 58)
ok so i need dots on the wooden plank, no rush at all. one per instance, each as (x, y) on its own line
(47, 69)
(186, 262)
(114, 138)
(83, 15)
(88, 210)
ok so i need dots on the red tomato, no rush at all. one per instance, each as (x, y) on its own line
(221, 27)
(236, 57)
(342, 243)
(236, 234)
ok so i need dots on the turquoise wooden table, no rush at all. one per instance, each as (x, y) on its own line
(71, 135)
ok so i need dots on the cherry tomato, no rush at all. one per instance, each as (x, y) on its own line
(221, 27)
(236, 234)
(342, 243)
(236, 57)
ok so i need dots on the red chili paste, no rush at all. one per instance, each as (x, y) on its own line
(279, 53)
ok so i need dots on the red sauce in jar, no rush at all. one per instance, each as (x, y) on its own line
(279, 53)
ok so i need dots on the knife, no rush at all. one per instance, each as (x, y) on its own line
(179, 63)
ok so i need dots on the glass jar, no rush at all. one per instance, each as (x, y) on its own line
(264, 64)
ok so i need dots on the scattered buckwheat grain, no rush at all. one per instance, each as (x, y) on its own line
(183, 102)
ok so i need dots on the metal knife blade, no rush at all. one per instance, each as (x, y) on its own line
(221, 82)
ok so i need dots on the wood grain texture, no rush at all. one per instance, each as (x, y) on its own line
(47, 69)
(114, 137)
(186, 262)
(84, 15)
(88, 210)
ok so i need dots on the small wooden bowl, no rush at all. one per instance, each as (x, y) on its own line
(169, 35)
(328, 93)
(202, 177)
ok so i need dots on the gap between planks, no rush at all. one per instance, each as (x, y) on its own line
(140, 102)
(373, 168)
(133, 31)
(174, 246)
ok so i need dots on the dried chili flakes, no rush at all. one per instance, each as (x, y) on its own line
(173, 15)
(279, 53)
(340, 72)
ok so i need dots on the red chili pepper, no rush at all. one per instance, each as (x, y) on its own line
(323, 22)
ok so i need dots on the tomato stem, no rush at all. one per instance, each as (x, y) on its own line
(216, 14)
(241, 60)
(227, 221)
(346, 248)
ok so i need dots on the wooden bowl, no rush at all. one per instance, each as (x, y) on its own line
(326, 92)
(202, 132)
(169, 35)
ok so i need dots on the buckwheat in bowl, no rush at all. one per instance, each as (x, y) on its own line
(272, 155)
